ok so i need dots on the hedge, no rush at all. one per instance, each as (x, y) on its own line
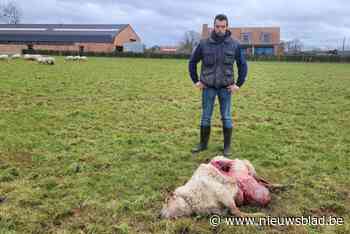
(286, 58)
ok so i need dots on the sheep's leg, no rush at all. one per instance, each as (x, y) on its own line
(267, 184)
(236, 212)
(226, 198)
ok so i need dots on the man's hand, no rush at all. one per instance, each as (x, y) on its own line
(233, 88)
(200, 85)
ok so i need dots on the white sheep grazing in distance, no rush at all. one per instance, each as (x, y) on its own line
(83, 58)
(69, 58)
(46, 60)
(16, 56)
(33, 57)
(4, 57)
(75, 58)
(27, 56)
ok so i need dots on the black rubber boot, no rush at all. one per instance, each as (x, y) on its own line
(227, 141)
(204, 138)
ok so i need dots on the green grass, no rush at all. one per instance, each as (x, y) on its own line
(94, 147)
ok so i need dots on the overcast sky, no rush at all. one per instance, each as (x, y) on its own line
(317, 23)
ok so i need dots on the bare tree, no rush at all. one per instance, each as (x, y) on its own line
(10, 12)
(189, 41)
(293, 47)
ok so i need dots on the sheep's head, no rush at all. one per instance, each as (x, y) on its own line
(175, 206)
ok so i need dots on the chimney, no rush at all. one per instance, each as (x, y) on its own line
(205, 31)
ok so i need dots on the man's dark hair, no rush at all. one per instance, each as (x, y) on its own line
(221, 17)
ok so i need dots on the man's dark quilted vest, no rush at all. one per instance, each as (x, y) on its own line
(218, 60)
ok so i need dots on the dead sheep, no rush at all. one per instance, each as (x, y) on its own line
(217, 187)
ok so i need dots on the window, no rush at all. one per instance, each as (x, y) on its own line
(264, 51)
(119, 49)
(246, 37)
(30, 46)
(265, 37)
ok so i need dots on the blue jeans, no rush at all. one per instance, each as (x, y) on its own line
(208, 100)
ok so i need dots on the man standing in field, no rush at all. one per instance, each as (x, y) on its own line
(218, 54)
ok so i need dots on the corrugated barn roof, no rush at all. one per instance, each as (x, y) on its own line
(56, 33)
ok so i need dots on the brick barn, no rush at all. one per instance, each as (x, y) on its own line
(65, 37)
(254, 40)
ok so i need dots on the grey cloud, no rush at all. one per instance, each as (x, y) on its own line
(315, 22)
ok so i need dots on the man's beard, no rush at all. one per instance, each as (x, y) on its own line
(220, 34)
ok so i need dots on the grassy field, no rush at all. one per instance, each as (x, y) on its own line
(94, 147)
